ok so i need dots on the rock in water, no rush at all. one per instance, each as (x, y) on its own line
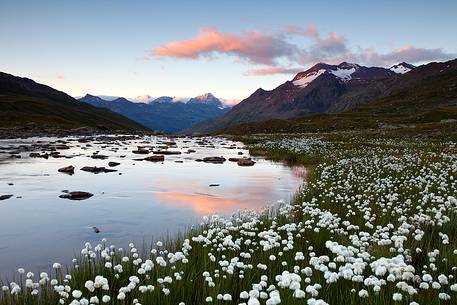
(155, 158)
(96, 170)
(76, 195)
(4, 197)
(112, 163)
(166, 152)
(245, 162)
(67, 170)
(214, 160)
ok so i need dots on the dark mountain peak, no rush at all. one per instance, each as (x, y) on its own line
(91, 98)
(162, 99)
(259, 91)
(121, 100)
(348, 65)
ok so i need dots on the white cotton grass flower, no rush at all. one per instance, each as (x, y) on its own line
(106, 299)
(397, 297)
(227, 297)
(76, 294)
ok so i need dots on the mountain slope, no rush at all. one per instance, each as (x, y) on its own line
(163, 113)
(424, 99)
(315, 90)
(23, 101)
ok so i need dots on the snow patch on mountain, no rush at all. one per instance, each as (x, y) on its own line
(308, 78)
(401, 68)
(343, 74)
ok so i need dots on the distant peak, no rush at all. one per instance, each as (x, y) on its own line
(207, 98)
(402, 68)
(121, 99)
(163, 99)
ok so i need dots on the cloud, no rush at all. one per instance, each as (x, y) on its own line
(255, 47)
(273, 70)
(311, 31)
(58, 75)
(275, 53)
(407, 53)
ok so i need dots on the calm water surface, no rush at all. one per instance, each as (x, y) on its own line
(147, 201)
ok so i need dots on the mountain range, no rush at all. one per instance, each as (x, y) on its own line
(414, 98)
(324, 97)
(26, 104)
(163, 113)
(323, 88)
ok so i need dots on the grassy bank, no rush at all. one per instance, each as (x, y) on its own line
(375, 224)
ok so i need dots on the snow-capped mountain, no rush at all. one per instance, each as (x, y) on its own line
(344, 72)
(321, 88)
(402, 68)
(164, 113)
(207, 99)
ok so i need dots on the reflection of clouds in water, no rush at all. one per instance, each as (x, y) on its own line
(205, 204)
(299, 171)
(224, 199)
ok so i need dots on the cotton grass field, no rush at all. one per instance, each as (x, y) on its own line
(375, 223)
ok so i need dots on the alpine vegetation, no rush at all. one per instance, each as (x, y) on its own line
(375, 223)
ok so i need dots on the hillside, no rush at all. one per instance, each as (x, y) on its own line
(163, 113)
(315, 90)
(424, 99)
(24, 102)
(328, 89)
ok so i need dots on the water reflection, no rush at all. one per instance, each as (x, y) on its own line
(146, 201)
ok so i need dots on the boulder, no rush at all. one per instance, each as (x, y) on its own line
(245, 162)
(217, 160)
(77, 195)
(100, 157)
(96, 170)
(167, 152)
(67, 170)
(155, 158)
(4, 197)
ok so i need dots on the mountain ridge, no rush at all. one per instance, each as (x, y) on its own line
(424, 98)
(320, 89)
(24, 101)
(163, 113)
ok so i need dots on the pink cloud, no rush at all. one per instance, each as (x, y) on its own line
(273, 53)
(58, 75)
(273, 70)
(255, 47)
(310, 31)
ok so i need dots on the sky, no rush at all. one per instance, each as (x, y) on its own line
(229, 48)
